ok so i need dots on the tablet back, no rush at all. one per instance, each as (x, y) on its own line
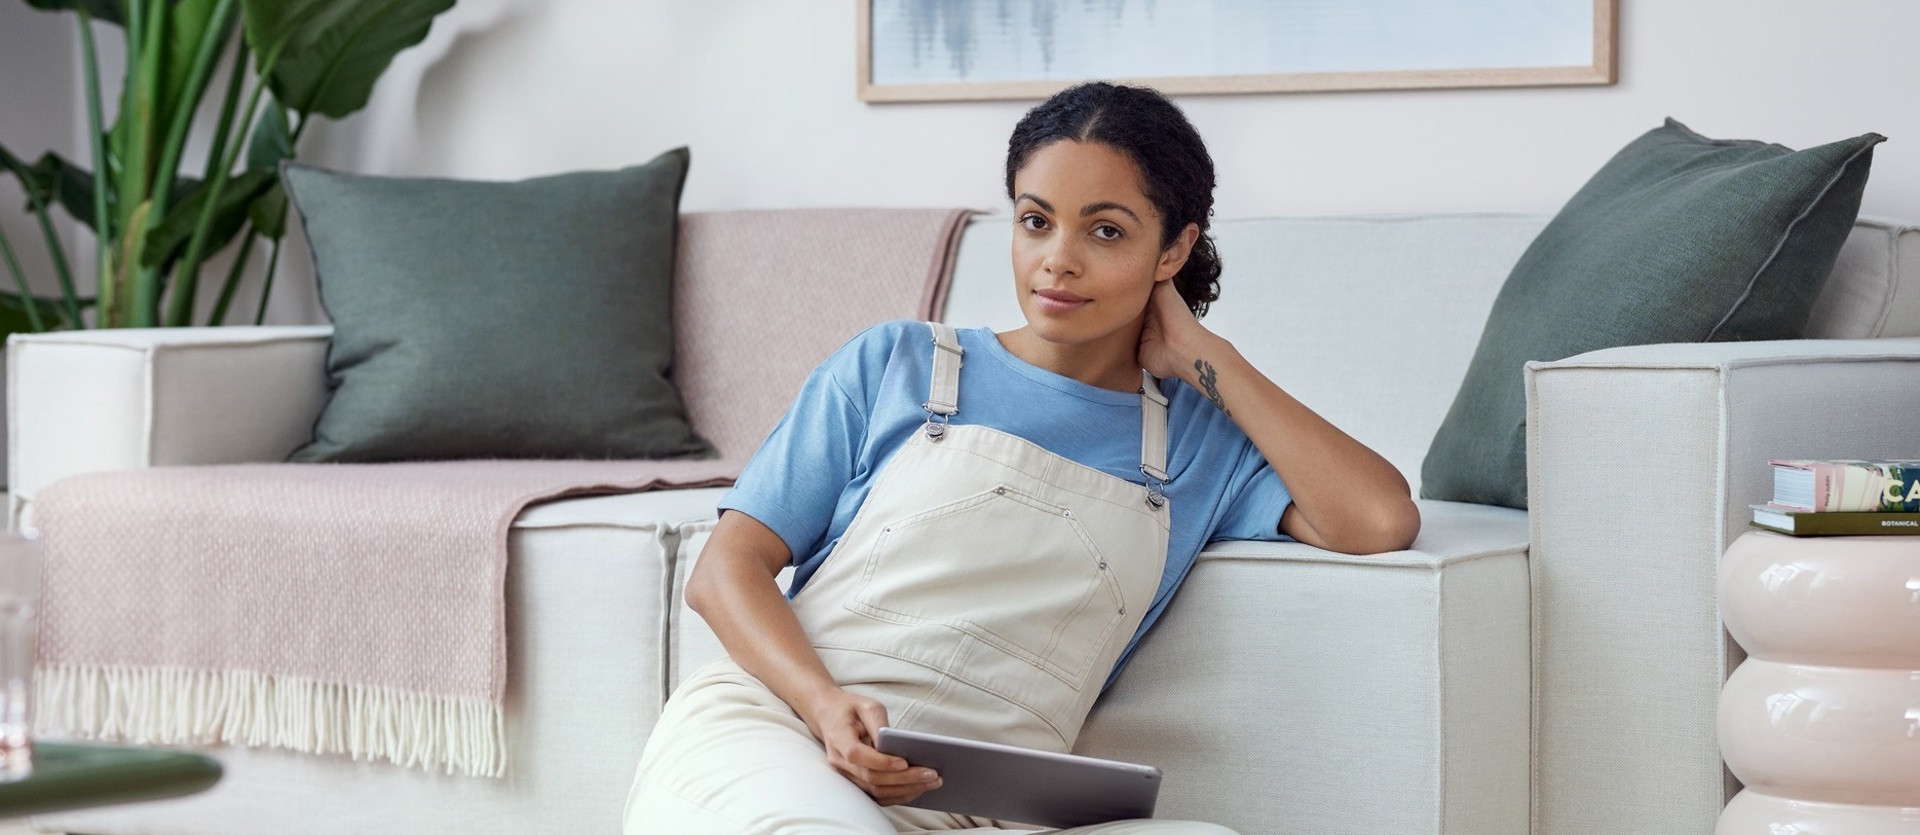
(1004, 782)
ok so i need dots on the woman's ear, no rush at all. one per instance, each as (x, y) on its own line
(1175, 255)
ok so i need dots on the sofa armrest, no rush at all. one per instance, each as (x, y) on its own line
(1641, 464)
(84, 401)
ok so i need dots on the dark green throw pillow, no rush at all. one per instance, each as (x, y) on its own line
(527, 319)
(1678, 238)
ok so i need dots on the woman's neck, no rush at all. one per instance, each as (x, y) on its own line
(1112, 362)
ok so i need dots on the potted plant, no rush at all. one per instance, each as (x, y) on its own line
(158, 217)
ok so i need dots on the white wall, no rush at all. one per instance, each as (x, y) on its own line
(763, 92)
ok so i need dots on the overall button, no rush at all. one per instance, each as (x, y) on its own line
(1066, 513)
(1103, 565)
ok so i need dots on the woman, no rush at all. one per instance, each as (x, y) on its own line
(977, 550)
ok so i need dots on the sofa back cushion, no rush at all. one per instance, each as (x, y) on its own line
(1371, 320)
(1874, 290)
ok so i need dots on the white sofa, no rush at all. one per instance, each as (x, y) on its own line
(1552, 671)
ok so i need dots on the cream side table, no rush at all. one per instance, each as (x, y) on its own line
(1822, 721)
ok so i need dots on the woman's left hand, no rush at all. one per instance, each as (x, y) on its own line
(1171, 338)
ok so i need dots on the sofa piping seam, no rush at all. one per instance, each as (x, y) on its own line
(1534, 620)
(226, 343)
(1718, 366)
(1440, 772)
(1435, 565)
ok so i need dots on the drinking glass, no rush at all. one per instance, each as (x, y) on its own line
(20, 564)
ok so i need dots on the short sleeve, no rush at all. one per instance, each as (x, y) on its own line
(795, 479)
(1255, 499)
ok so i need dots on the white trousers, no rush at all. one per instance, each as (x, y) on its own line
(730, 758)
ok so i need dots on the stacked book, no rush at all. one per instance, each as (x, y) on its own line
(1846, 498)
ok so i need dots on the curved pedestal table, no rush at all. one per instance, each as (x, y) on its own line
(1821, 723)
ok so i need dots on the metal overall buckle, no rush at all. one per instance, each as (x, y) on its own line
(1156, 487)
(936, 423)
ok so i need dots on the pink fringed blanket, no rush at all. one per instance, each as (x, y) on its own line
(359, 609)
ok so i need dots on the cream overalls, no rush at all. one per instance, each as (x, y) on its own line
(985, 589)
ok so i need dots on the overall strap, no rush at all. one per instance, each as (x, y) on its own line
(943, 401)
(1153, 439)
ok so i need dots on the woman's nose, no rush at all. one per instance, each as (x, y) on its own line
(1061, 259)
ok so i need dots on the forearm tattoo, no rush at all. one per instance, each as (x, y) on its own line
(1210, 382)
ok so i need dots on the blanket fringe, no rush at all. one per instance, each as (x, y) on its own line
(170, 706)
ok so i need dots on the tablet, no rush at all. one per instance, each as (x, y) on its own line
(1008, 783)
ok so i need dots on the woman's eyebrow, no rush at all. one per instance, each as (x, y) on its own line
(1094, 208)
(1028, 195)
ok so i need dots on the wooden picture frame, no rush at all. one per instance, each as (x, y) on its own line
(1600, 70)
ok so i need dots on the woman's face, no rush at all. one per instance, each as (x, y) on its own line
(1086, 244)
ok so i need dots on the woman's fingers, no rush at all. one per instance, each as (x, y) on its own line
(885, 785)
(919, 778)
(887, 778)
(872, 714)
(893, 787)
(869, 717)
(848, 726)
(866, 756)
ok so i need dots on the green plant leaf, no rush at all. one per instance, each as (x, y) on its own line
(40, 183)
(41, 180)
(110, 11)
(169, 237)
(272, 142)
(269, 212)
(71, 186)
(330, 52)
(29, 176)
(189, 22)
(272, 139)
(63, 183)
(14, 318)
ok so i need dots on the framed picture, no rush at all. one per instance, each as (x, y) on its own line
(935, 50)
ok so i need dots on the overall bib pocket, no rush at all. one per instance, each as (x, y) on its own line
(1054, 600)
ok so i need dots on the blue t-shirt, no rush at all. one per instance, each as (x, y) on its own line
(861, 405)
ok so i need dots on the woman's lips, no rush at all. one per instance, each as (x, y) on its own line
(1058, 301)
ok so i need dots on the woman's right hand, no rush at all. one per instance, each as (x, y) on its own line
(848, 725)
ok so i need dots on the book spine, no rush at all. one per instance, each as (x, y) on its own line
(1865, 488)
(1852, 524)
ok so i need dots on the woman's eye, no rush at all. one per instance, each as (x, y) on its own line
(1107, 233)
(1033, 222)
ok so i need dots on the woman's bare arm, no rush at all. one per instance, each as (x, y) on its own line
(734, 589)
(1345, 496)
